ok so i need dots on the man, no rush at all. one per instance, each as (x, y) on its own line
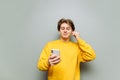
(66, 65)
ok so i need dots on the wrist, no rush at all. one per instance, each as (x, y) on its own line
(77, 37)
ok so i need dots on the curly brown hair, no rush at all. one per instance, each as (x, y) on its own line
(67, 21)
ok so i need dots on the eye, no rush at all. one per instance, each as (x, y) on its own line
(68, 28)
(62, 28)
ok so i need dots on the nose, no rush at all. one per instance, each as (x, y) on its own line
(65, 30)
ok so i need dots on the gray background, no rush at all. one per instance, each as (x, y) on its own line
(27, 25)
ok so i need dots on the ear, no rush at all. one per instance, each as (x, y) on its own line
(59, 31)
(72, 33)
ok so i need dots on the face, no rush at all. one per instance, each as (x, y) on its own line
(65, 31)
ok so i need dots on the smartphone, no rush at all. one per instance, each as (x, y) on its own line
(55, 51)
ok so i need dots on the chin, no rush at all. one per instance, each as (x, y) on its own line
(66, 37)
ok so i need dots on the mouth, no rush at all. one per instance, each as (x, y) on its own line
(65, 34)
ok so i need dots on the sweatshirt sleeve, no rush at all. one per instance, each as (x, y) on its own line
(86, 51)
(43, 59)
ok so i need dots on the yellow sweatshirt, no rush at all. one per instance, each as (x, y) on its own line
(71, 55)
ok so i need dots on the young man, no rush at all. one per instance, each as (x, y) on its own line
(66, 64)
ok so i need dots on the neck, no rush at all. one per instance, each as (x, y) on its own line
(65, 39)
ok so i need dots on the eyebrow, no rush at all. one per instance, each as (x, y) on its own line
(66, 27)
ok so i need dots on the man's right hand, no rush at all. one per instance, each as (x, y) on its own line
(54, 59)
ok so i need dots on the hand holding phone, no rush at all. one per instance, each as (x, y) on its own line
(54, 57)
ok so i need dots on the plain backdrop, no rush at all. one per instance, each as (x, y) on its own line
(27, 25)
